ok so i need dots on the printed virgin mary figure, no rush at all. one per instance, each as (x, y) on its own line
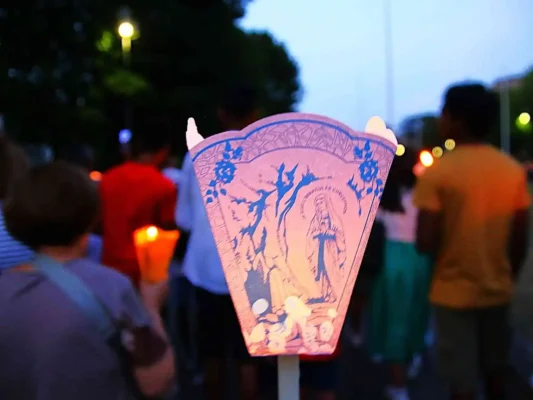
(326, 249)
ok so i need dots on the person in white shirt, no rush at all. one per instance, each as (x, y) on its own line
(218, 331)
(172, 172)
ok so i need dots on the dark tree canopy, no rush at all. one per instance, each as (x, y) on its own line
(65, 79)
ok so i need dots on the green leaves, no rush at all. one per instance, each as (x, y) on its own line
(188, 53)
(122, 82)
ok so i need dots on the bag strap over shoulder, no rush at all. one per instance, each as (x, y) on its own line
(78, 292)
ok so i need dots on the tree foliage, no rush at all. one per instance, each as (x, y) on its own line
(65, 77)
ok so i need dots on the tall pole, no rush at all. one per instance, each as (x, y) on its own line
(126, 59)
(505, 117)
(389, 62)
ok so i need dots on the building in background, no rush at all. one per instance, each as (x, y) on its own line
(508, 82)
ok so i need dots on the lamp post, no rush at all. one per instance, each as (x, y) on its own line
(389, 62)
(505, 117)
(126, 31)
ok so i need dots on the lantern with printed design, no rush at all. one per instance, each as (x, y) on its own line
(291, 200)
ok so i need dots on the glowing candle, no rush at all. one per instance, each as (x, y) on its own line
(155, 248)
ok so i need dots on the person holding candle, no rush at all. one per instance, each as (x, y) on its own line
(59, 304)
(136, 194)
(218, 329)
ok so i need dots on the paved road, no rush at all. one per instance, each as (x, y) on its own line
(363, 380)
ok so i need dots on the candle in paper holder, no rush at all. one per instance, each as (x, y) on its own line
(155, 248)
(291, 200)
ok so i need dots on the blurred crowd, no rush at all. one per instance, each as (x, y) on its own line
(78, 322)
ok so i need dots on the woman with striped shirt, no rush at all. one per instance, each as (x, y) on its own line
(13, 163)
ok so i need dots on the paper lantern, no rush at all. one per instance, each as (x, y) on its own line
(155, 248)
(291, 200)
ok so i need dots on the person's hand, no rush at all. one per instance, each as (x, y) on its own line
(154, 295)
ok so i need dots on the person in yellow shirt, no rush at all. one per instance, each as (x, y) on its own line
(473, 219)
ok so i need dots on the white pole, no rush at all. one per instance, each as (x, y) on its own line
(389, 62)
(288, 378)
(505, 117)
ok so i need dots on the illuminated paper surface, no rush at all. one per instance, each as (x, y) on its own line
(154, 248)
(291, 200)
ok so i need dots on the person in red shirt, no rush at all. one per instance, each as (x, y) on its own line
(135, 194)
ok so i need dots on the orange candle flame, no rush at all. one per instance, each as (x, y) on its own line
(155, 248)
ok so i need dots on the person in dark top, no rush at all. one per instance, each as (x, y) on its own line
(399, 308)
(49, 347)
(13, 163)
(83, 157)
(219, 333)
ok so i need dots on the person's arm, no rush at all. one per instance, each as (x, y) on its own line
(151, 353)
(519, 234)
(427, 199)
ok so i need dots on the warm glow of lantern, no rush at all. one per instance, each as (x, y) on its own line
(155, 248)
(152, 233)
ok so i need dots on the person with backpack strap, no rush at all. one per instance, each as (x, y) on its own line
(71, 328)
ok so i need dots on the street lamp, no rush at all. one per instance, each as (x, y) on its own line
(524, 118)
(523, 122)
(126, 31)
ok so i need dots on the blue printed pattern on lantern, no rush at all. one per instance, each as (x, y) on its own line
(224, 172)
(369, 183)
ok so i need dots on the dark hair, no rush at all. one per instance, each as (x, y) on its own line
(474, 105)
(52, 205)
(150, 135)
(13, 163)
(240, 101)
(401, 177)
(76, 154)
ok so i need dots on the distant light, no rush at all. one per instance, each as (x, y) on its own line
(400, 150)
(524, 118)
(437, 152)
(95, 176)
(426, 158)
(124, 136)
(418, 169)
(126, 30)
(449, 144)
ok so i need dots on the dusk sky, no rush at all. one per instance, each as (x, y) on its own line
(339, 46)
